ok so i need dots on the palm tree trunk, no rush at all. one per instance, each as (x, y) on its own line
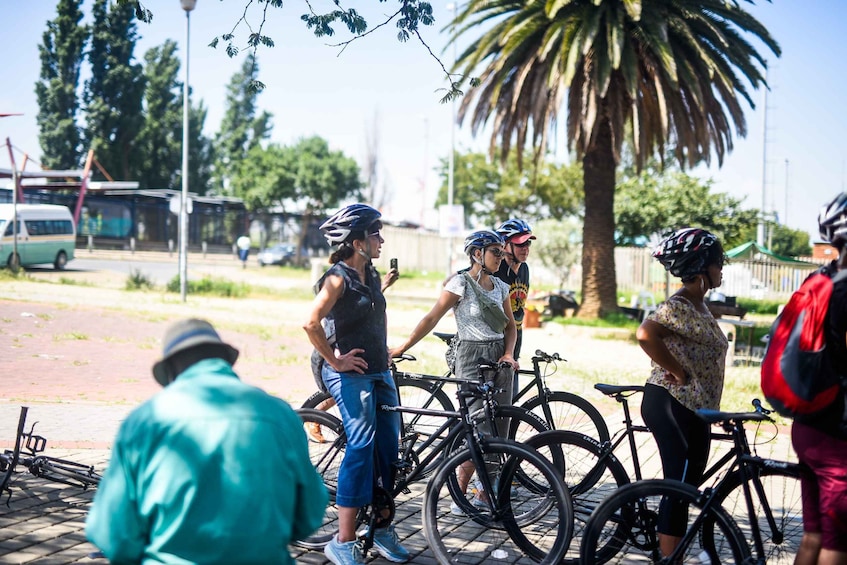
(599, 288)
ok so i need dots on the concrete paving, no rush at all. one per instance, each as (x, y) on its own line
(43, 522)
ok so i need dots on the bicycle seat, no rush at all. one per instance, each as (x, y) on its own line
(443, 336)
(715, 416)
(611, 390)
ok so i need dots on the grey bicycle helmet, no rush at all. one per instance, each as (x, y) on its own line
(689, 252)
(832, 221)
(351, 222)
(481, 239)
(515, 230)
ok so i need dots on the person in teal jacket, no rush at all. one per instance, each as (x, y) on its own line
(210, 470)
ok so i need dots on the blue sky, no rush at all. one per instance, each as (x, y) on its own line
(382, 85)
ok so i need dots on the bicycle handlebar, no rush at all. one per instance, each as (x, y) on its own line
(546, 357)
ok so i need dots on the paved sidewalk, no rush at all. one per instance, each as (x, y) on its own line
(44, 522)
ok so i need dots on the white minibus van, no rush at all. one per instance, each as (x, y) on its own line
(46, 234)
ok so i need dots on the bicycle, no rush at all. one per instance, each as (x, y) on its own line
(415, 443)
(528, 512)
(560, 410)
(592, 472)
(626, 520)
(26, 452)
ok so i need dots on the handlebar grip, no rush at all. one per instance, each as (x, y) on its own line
(757, 404)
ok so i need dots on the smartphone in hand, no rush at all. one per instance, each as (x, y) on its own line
(393, 265)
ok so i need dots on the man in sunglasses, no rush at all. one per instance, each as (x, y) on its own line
(515, 273)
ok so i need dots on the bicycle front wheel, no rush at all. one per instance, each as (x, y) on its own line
(326, 453)
(623, 528)
(567, 411)
(519, 524)
(777, 507)
(590, 473)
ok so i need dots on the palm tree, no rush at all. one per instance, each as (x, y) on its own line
(671, 70)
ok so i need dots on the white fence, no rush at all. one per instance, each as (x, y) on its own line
(636, 270)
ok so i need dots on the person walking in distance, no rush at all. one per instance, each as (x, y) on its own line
(820, 440)
(357, 375)
(243, 244)
(209, 470)
(688, 352)
(514, 272)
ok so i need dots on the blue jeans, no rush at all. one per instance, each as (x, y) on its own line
(371, 433)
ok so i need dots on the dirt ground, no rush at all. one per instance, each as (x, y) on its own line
(79, 337)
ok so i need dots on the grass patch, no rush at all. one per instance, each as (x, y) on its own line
(211, 287)
(73, 282)
(7, 274)
(73, 336)
(137, 280)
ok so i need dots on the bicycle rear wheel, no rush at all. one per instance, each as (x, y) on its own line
(326, 456)
(590, 474)
(528, 525)
(569, 412)
(623, 528)
(779, 489)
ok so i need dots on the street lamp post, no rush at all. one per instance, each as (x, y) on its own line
(187, 5)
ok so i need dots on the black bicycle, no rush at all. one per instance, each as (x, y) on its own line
(26, 454)
(504, 496)
(559, 409)
(756, 503)
(593, 472)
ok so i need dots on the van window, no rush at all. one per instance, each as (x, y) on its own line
(9, 228)
(49, 227)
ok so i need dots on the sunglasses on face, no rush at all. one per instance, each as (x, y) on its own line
(496, 251)
(523, 245)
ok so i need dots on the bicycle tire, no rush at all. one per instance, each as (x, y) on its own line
(522, 425)
(590, 475)
(326, 457)
(625, 524)
(781, 488)
(570, 412)
(469, 538)
(66, 472)
(414, 393)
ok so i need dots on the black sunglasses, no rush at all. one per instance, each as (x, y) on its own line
(496, 251)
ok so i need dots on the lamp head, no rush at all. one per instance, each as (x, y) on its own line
(188, 5)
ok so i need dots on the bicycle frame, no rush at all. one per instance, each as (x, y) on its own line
(630, 429)
(747, 465)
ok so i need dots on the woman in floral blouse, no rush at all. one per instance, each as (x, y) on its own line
(688, 351)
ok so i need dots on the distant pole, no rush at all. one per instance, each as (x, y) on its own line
(15, 182)
(452, 159)
(760, 232)
(785, 218)
(187, 5)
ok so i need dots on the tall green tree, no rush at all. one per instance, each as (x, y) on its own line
(307, 177)
(241, 128)
(113, 95)
(676, 73)
(492, 192)
(159, 144)
(61, 54)
(199, 150)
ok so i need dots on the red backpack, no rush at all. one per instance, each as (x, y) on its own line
(798, 378)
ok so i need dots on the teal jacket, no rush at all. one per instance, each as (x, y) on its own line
(210, 470)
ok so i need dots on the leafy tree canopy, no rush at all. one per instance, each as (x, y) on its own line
(307, 176)
(653, 202)
(61, 55)
(492, 192)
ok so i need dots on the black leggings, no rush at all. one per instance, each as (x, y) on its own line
(683, 441)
